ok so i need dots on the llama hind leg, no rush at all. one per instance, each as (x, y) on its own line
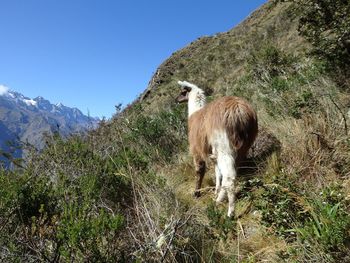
(221, 196)
(218, 179)
(231, 197)
(226, 164)
(200, 171)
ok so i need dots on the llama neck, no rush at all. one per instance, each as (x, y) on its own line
(196, 101)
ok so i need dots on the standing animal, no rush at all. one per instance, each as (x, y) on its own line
(222, 130)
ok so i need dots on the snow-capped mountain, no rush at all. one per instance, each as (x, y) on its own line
(26, 120)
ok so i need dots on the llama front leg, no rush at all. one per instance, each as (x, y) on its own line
(200, 171)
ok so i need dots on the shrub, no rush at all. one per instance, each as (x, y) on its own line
(66, 204)
(281, 210)
(268, 62)
(218, 220)
(329, 223)
(326, 25)
(304, 103)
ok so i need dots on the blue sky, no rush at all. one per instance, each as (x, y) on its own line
(94, 54)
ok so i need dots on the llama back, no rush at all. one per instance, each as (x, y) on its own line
(228, 116)
(236, 118)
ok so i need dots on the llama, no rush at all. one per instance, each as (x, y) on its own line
(223, 131)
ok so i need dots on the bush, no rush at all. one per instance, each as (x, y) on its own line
(218, 220)
(281, 210)
(61, 206)
(73, 200)
(325, 24)
(329, 223)
(269, 62)
(304, 103)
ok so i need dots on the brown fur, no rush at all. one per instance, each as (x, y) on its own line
(231, 114)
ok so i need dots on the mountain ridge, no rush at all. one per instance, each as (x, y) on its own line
(269, 21)
(27, 120)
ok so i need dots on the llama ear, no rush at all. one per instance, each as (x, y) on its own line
(185, 85)
(209, 91)
(188, 89)
(181, 83)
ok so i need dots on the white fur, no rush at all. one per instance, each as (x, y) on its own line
(218, 179)
(196, 97)
(222, 152)
(187, 84)
(196, 101)
(225, 171)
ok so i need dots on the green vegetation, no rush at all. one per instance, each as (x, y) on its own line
(325, 24)
(61, 206)
(123, 193)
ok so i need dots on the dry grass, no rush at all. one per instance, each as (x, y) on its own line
(313, 135)
(314, 147)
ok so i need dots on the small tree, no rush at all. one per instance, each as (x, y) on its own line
(326, 25)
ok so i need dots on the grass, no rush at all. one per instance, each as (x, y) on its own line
(123, 193)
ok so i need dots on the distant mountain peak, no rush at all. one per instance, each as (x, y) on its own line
(3, 90)
(30, 102)
(43, 105)
(28, 119)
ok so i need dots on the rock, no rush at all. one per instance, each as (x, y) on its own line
(265, 144)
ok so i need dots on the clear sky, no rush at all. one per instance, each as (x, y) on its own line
(94, 54)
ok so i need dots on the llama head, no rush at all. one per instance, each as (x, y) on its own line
(191, 93)
(183, 96)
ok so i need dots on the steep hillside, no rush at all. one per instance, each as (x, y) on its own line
(124, 192)
(216, 63)
(300, 102)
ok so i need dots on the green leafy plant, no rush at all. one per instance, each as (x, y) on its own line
(328, 223)
(304, 103)
(326, 25)
(219, 221)
(270, 62)
(280, 210)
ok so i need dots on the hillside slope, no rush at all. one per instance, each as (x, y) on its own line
(124, 192)
(217, 62)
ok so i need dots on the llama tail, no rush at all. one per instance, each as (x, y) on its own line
(241, 125)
